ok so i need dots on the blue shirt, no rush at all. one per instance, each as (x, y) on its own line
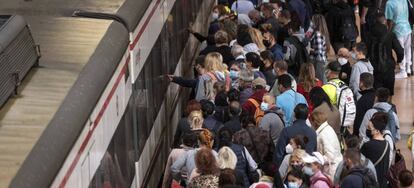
(287, 102)
(277, 52)
(397, 12)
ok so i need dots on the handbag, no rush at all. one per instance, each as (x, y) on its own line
(395, 169)
(253, 176)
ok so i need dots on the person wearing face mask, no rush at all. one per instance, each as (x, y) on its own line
(358, 175)
(381, 104)
(299, 127)
(346, 69)
(272, 120)
(267, 67)
(353, 143)
(378, 149)
(313, 168)
(361, 66)
(295, 151)
(296, 179)
(270, 36)
(366, 101)
(328, 143)
(254, 101)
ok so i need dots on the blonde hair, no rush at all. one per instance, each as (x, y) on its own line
(214, 62)
(221, 37)
(318, 117)
(196, 119)
(206, 138)
(227, 158)
(297, 154)
(257, 38)
(307, 76)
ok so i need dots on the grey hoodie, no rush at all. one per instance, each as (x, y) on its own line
(271, 122)
(357, 69)
(200, 90)
(368, 115)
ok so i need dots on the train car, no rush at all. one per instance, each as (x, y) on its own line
(116, 124)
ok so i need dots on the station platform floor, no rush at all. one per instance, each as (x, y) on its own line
(404, 100)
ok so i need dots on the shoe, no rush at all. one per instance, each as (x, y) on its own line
(401, 75)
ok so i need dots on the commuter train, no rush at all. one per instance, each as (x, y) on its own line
(106, 149)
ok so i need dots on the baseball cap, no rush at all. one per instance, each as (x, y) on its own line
(316, 157)
(259, 82)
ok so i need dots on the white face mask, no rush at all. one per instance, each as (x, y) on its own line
(293, 185)
(308, 170)
(289, 149)
(342, 61)
(264, 106)
(353, 55)
(214, 16)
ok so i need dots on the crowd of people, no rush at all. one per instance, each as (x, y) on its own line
(284, 96)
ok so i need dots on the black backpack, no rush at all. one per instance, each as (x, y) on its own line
(368, 179)
(378, 54)
(301, 56)
(410, 12)
(348, 29)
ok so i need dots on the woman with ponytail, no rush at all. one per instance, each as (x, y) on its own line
(206, 141)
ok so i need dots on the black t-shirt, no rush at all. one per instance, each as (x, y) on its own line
(373, 150)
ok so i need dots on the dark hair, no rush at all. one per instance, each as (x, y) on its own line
(255, 59)
(354, 155)
(301, 111)
(227, 177)
(367, 79)
(285, 80)
(285, 13)
(190, 138)
(192, 105)
(267, 55)
(352, 142)
(406, 178)
(301, 140)
(207, 107)
(206, 162)
(382, 94)
(318, 96)
(380, 120)
(200, 60)
(221, 99)
(243, 35)
(247, 119)
(361, 47)
(267, 6)
(296, 173)
(293, 25)
(233, 95)
(225, 136)
(235, 108)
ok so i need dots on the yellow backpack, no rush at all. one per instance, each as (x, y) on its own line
(258, 114)
(410, 140)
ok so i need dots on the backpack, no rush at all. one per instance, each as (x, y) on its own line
(368, 179)
(301, 56)
(392, 124)
(378, 55)
(345, 103)
(325, 179)
(258, 114)
(348, 28)
(410, 140)
(209, 92)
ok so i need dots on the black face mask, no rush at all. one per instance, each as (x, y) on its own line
(369, 134)
(266, 43)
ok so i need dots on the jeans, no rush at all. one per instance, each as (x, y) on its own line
(405, 42)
